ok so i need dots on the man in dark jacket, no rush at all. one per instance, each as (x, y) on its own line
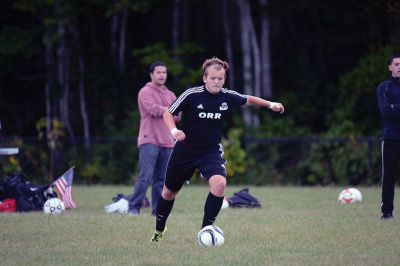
(389, 105)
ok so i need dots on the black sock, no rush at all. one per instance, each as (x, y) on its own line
(211, 209)
(164, 208)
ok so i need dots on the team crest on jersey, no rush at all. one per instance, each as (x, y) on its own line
(223, 107)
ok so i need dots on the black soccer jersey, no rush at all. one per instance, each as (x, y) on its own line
(203, 114)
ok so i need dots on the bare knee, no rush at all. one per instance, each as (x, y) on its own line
(168, 194)
(217, 185)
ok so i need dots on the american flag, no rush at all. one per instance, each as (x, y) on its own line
(64, 188)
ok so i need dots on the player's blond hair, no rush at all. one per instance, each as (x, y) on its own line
(214, 62)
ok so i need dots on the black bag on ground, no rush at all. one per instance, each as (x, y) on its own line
(29, 197)
(243, 199)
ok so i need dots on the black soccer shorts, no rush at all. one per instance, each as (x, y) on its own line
(185, 160)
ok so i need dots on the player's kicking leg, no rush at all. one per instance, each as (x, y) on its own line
(164, 207)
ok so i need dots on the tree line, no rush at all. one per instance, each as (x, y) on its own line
(71, 70)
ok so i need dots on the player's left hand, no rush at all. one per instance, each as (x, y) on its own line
(277, 107)
(179, 135)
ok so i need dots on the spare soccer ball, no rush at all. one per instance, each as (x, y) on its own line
(210, 236)
(54, 206)
(349, 195)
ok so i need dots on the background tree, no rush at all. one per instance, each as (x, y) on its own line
(250, 57)
(266, 80)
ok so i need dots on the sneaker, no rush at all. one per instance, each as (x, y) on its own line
(387, 216)
(133, 213)
(121, 206)
(158, 235)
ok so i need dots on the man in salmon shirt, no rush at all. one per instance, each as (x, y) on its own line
(154, 141)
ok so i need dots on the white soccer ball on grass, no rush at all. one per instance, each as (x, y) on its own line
(53, 206)
(349, 195)
(211, 236)
(357, 194)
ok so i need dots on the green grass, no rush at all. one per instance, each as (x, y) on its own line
(295, 226)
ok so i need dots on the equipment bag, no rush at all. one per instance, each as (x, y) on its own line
(28, 197)
(243, 199)
(8, 205)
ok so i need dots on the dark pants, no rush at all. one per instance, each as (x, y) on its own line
(153, 165)
(390, 171)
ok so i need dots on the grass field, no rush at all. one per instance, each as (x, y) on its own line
(295, 226)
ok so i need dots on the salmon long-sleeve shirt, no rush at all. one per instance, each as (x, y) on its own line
(152, 103)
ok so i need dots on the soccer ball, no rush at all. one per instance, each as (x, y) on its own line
(357, 193)
(211, 236)
(350, 195)
(54, 206)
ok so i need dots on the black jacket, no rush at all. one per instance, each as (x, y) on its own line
(389, 105)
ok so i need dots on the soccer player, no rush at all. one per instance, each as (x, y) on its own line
(204, 109)
(389, 105)
(155, 141)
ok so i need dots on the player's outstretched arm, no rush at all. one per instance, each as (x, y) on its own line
(169, 120)
(274, 106)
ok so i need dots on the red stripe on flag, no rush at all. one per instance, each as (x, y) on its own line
(68, 201)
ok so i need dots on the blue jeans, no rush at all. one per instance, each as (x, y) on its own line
(152, 167)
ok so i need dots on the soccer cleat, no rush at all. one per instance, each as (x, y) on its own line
(386, 216)
(158, 235)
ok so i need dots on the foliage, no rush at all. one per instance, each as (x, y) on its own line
(357, 112)
(275, 125)
(175, 61)
(234, 154)
(105, 163)
(314, 47)
(55, 135)
(262, 164)
(14, 41)
(140, 6)
(32, 160)
(339, 163)
(303, 39)
(287, 161)
(12, 164)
